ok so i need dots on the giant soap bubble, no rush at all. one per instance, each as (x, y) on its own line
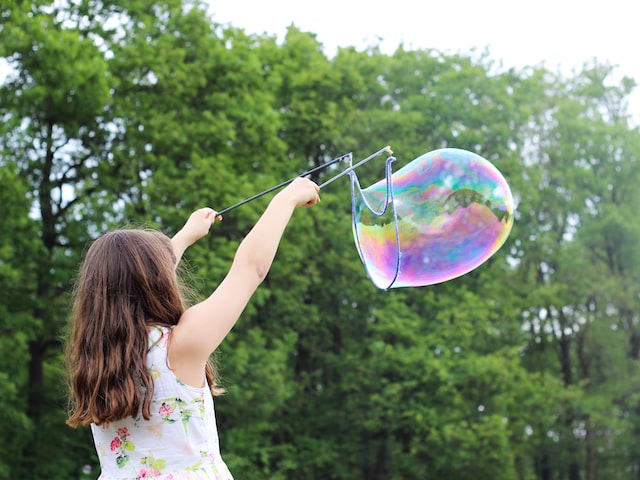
(437, 218)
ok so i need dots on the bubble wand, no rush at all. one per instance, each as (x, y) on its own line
(348, 156)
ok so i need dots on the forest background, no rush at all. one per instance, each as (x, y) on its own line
(117, 113)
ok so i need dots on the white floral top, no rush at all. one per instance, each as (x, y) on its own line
(179, 442)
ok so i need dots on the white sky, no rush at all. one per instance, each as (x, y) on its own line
(561, 34)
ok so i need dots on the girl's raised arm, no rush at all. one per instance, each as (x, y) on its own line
(203, 327)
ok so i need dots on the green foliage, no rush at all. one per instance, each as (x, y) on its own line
(138, 112)
(15, 322)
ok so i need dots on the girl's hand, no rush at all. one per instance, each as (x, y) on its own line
(302, 192)
(198, 225)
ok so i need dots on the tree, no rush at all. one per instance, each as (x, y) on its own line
(16, 256)
(577, 151)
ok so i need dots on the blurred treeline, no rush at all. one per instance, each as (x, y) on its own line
(117, 113)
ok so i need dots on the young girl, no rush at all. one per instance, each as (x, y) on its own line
(138, 359)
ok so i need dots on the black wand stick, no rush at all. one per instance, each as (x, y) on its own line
(348, 156)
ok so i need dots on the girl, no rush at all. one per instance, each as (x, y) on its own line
(138, 359)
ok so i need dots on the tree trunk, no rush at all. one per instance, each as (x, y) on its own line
(590, 469)
(35, 406)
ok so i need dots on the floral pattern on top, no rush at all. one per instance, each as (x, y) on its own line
(120, 444)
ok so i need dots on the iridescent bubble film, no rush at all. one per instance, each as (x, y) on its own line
(435, 219)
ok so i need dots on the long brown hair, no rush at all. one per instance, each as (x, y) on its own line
(127, 283)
